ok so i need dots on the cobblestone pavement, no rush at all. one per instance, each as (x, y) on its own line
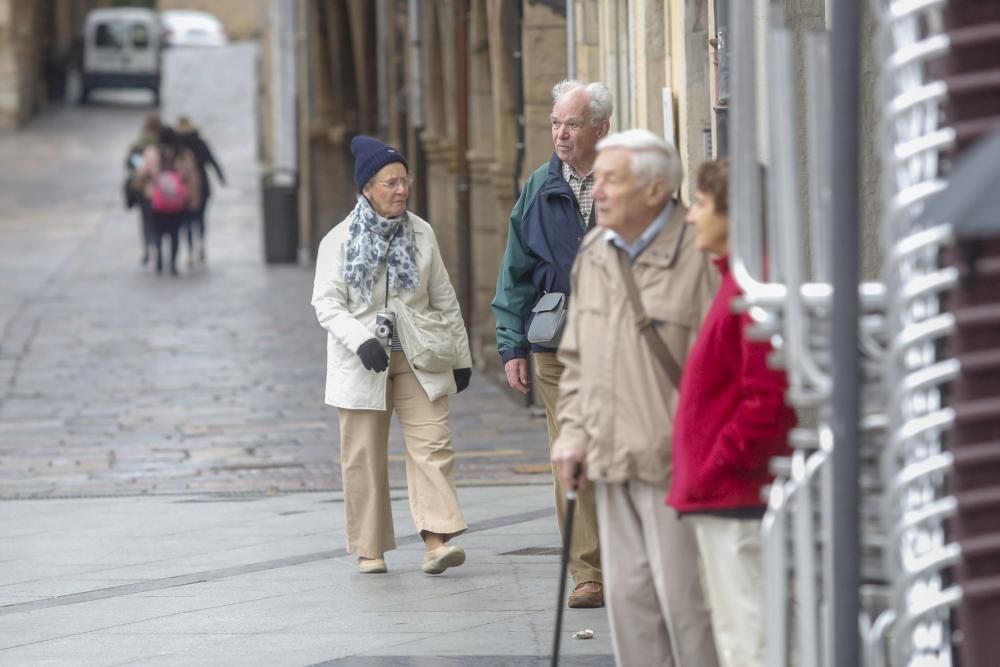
(117, 381)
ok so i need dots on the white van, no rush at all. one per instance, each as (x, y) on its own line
(121, 49)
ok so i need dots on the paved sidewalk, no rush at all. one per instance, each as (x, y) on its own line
(169, 486)
(210, 580)
(117, 381)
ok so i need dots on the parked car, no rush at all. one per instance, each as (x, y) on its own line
(183, 27)
(121, 49)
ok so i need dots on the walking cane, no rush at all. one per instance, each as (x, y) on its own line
(564, 567)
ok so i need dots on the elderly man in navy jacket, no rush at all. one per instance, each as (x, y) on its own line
(548, 222)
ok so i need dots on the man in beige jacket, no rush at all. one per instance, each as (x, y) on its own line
(616, 399)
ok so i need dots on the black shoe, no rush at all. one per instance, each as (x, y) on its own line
(144, 260)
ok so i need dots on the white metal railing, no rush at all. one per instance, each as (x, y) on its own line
(780, 259)
(914, 466)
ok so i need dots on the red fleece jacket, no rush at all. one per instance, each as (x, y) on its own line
(731, 416)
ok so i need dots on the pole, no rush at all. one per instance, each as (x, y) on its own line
(845, 58)
(564, 562)
(570, 39)
(385, 61)
(465, 276)
(415, 91)
(721, 107)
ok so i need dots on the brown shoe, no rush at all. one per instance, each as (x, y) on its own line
(588, 595)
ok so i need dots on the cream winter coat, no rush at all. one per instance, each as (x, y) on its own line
(350, 322)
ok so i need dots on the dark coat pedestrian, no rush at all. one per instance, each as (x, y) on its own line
(190, 137)
(149, 136)
(168, 178)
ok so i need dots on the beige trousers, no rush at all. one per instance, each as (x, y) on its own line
(364, 462)
(585, 550)
(730, 552)
(653, 594)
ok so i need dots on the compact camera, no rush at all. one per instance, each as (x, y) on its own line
(385, 323)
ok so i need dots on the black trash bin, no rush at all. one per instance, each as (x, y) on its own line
(280, 200)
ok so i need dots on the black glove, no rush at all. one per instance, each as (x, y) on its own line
(462, 377)
(373, 355)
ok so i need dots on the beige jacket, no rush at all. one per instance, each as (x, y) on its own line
(615, 400)
(349, 321)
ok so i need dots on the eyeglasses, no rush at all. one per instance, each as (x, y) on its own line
(394, 183)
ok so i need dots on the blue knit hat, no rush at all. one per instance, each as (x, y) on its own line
(370, 155)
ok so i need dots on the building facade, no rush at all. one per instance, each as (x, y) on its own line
(463, 87)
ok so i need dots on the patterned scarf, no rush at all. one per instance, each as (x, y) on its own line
(378, 242)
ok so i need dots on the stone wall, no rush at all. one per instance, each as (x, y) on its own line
(15, 86)
(39, 42)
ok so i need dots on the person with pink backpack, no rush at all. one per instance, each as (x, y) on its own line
(169, 179)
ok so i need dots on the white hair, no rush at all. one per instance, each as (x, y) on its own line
(652, 157)
(598, 95)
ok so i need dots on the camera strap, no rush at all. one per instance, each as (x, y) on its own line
(387, 249)
(392, 335)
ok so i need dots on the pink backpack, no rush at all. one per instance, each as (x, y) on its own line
(170, 195)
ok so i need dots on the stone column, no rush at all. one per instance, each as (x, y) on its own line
(438, 137)
(693, 95)
(544, 65)
(491, 230)
(653, 79)
(482, 196)
(588, 43)
(336, 118)
(441, 199)
(340, 79)
(19, 61)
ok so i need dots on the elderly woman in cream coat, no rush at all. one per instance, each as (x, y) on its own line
(396, 343)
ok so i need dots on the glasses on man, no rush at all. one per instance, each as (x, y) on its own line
(394, 183)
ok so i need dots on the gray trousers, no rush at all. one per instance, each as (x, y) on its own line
(652, 586)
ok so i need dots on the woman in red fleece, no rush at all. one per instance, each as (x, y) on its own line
(731, 419)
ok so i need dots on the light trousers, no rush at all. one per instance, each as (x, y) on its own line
(585, 549)
(730, 552)
(652, 586)
(429, 457)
